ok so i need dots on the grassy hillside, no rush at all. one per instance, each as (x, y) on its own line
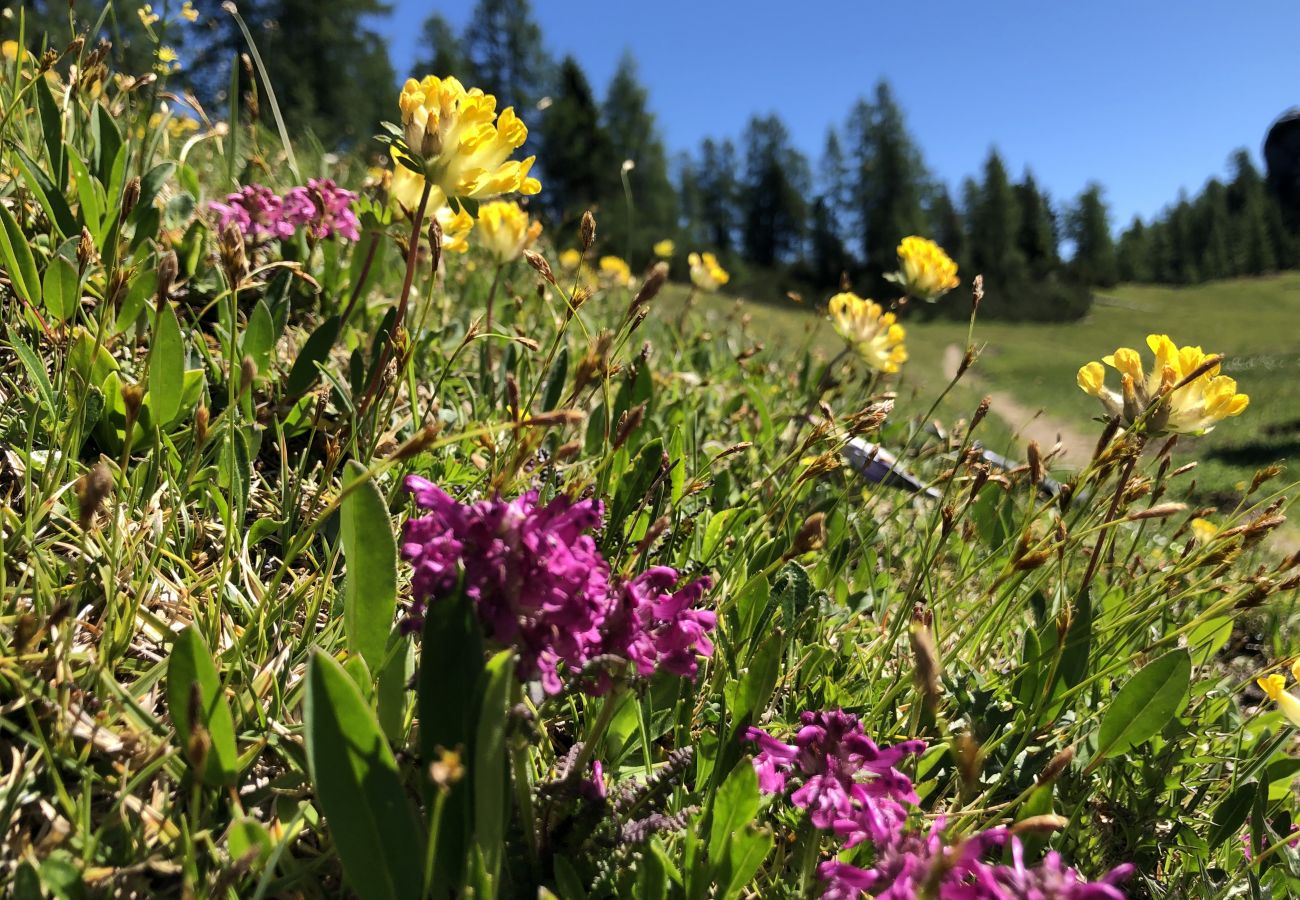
(1255, 322)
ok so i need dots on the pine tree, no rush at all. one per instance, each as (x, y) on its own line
(774, 212)
(719, 193)
(835, 187)
(330, 73)
(994, 217)
(442, 54)
(948, 227)
(1252, 242)
(889, 180)
(1088, 225)
(574, 149)
(1133, 253)
(1036, 238)
(503, 47)
(634, 139)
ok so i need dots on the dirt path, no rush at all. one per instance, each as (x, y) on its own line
(1030, 424)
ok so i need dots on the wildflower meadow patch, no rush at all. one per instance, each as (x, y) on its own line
(363, 535)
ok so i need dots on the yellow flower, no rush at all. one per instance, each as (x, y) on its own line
(871, 331)
(147, 15)
(1203, 530)
(188, 12)
(1275, 686)
(706, 274)
(615, 271)
(1192, 408)
(462, 144)
(927, 273)
(570, 260)
(456, 226)
(168, 61)
(664, 249)
(504, 230)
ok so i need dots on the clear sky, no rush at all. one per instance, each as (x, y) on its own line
(1147, 98)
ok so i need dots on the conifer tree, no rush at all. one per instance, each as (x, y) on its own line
(1133, 253)
(776, 183)
(994, 218)
(574, 149)
(716, 178)
(1036, 238)
(1094, 260)
(441, 52)
(640, 168)
(503, 47)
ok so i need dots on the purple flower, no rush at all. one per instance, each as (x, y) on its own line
(911, 864)
(656, 628)
(323, 208)
(1051, 879)
(539, 584)
(255, 210)
(849, 784)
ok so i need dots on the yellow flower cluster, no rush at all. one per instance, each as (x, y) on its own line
(461, 143)
(570, 260)
(505, 231)
(664, 249)
(872, 332)
(1183, 394)
(1275, 686)
(456, 226)
(615, 271)
(926, 272)
(706, 274)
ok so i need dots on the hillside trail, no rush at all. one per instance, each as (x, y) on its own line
(1031, 424)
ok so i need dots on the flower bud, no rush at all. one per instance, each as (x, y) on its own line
(85, 249)
(587, 230)
(539, 263)
(201, 419)
(1056, 765)
(92, 489)
(130, 196)
(167, 270)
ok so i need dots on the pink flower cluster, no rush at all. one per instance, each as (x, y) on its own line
(321, 207)
(540, 584)
(829, 755)
(852, 787)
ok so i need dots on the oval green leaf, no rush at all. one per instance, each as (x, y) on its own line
(166, 368)
(60, 289)
(370, 586)
(359, 789)
(1145, 704)
(190, 668)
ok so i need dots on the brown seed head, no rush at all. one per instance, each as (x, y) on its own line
(130, 196)
(587, 230)
(92, 489)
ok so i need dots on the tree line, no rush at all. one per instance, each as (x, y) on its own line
(781, 221)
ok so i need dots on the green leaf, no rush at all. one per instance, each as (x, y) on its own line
(51, 128)
(190, 666)
(634, 483)
(304, 372)
(108, 143)
(556, 379)
(259, 337)
(735, 804)
(370, 586)
(390, 692)
(746, 851)
(19, 262)
(166, 367)
(1208, 638)
(35, 370)
(451, 666)
(491, 780)
(248, 837)
(359, 789)
(61, 289)
(1232, 812)
(1145, 704)
(88, 195)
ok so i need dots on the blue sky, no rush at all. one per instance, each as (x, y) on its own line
(1146, 98)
